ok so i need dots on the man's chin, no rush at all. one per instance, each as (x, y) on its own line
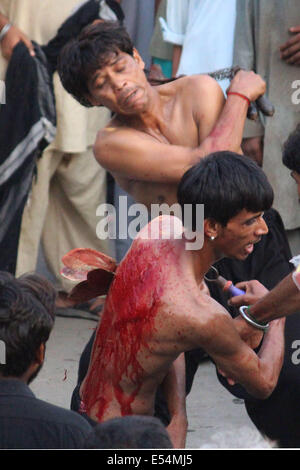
(238, 257)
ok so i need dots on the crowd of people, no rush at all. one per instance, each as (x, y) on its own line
(113, 99)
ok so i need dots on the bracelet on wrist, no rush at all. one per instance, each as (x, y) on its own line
(240, 95)
(5, 30)
(245, 313)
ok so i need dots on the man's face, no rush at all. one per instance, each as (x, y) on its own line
(120, 85)
(237, 239)
(296, 176)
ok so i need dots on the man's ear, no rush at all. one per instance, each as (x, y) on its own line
(138, 58)
(40, 354)
(211, 228)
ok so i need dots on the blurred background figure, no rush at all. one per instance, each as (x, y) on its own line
(70, 184)
(161, 51)
(202, 34)
(27, 314)
(266, 43)
(139, 22)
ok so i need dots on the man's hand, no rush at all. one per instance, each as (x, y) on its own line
(290, 50)
(253, 147)
(248, 83)
(252, 336)
(177, 430)
(254, 291)
(13, 36)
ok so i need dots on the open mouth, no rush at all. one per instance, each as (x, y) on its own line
(250, 246)
(129, 97)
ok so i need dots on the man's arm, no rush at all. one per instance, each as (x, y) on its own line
(175, 393)
(207, 325)
(136, 155)
(266, 306)
(258, 373)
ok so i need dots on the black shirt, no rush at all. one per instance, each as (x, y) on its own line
(29, 423)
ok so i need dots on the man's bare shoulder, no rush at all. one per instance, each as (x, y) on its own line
(201, 95)
(197, 83)
(112, 130)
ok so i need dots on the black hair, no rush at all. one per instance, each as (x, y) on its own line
(27, 312)
(226, 183)
(129, 432)
(291, 151)
(93, 48)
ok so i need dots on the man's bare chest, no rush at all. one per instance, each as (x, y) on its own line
(179, 129)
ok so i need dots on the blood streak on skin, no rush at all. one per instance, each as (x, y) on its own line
(127, 325)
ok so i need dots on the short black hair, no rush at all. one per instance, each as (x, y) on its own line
(226, 183)
(82, 56)
(291, 151)
(27, 313)
(129, 432)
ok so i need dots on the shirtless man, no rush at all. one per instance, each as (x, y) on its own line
(157, 132)
(155, 310)
(102, 68)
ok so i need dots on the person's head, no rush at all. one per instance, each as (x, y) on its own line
(102, 68)
(291, 155)
(129, 432)
(235, 192)
(27, 306)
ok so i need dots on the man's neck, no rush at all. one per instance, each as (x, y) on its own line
(201, 261)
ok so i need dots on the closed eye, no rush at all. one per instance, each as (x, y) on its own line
(250, 221)
(253, 219)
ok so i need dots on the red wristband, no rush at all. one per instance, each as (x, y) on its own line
(240, 95)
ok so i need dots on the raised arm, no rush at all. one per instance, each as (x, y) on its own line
(136, 155)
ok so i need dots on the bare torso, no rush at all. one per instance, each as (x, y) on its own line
(143, 328)
(178, 122)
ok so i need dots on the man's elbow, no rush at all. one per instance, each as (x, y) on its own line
(99, 155)
(265, 389)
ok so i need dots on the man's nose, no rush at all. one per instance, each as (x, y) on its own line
(262, 228)
(118, 82)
